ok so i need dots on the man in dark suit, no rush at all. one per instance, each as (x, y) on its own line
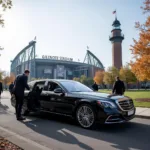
(118, 87)
(11, 86)
(95, 86)
(1, 88)
(19, 87)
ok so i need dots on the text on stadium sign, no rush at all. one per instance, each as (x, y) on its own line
(57, 58)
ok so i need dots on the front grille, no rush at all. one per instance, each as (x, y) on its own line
(126, 104)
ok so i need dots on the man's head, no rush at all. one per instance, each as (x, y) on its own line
(26, 72)
(117, 78)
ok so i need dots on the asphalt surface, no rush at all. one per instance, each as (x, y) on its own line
(61, 133)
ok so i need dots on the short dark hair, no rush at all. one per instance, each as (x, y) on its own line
(26, 71)
(117, 78)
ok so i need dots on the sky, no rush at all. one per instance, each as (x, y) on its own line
(67, 27)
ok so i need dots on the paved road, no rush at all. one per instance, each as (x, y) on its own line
(60, 133)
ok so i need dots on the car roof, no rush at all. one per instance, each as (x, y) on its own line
(54, 80)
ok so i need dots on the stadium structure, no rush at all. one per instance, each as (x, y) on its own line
(53, 67)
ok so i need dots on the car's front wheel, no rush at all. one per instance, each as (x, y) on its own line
(85, 116)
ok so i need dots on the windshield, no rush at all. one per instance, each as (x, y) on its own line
(73, 86)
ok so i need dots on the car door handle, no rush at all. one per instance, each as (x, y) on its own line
(59, 99)
(46, 94)
(52, 99)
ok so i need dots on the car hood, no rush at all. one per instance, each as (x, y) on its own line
(98, 96)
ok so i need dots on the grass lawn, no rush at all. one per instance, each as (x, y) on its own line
(135, 94)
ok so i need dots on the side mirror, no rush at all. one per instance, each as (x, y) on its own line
(58, 90)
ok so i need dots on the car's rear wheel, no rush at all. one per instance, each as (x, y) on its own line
(85, 116)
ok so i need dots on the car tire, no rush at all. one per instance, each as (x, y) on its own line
(85, 116)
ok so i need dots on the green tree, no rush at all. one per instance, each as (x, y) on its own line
(88, 82)
(76, 79)
(6, 80)
(1, 76)
(126, 75)
(110, 74)
(84, 80)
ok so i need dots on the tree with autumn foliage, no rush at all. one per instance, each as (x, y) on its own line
(110, 74)
(8, 79)
(127, 75)
(99, 76)
(12, 77)
(141, 48)
(1, 75)
(83, 79)
(4, 5)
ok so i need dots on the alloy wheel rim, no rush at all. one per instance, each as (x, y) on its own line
(85, 116)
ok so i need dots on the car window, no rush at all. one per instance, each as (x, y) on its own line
(73, 86)
(40, 84)
(52, 86)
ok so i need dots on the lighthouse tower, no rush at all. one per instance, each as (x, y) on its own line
(116, 39)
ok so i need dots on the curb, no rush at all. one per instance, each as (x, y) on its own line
(29, 142)
(141, 116)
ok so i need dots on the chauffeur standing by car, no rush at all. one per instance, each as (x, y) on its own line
(19, 86)
(11, 86)
(118, 87)
(1, 88)
(95, 86)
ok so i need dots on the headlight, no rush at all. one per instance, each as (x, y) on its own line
(106, 104)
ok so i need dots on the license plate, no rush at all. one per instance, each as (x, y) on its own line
(130, 112)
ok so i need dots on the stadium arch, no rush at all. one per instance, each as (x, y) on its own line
(25, 59)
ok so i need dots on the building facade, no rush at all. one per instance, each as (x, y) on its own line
(54, 67)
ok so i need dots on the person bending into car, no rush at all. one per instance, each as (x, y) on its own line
(33, 101)
(19, 86)
(118, 87)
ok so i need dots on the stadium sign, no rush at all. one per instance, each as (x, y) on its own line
(57, 58)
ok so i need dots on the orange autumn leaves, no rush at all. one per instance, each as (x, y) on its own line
(140, 64)
(8, 79)
(108, 76)
(99, 76)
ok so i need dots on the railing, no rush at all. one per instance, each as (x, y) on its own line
(116, 35)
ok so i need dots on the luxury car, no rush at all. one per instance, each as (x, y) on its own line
(73, 99)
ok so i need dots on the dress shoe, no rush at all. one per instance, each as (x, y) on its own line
(21, 118)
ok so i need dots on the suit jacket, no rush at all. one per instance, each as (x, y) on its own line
(95, 87)
(11, 86)
(1, 86)
(20, 84)
(118, 87)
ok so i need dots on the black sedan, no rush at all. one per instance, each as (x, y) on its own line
(71, 98)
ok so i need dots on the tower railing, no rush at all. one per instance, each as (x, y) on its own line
(116, 35)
